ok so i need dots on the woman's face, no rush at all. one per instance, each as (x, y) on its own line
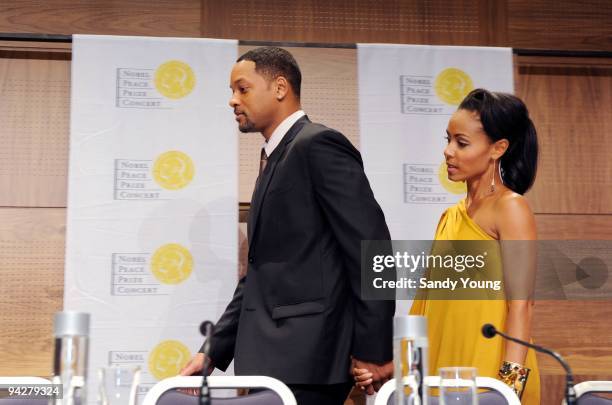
(469, 151)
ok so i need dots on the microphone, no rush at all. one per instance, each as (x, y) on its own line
(490, 331)
(206, 329)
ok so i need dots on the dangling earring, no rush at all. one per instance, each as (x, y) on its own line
(499, 169)
(492, 186)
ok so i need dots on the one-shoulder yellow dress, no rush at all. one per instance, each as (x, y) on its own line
(454, 326)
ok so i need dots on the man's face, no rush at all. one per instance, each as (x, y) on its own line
(253, 98)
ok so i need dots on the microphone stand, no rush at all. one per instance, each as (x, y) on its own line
(489, 331)
(206, 329)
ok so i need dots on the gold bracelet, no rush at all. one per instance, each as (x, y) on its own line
(515, 376)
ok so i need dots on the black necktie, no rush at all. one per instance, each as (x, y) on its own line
(263, 161)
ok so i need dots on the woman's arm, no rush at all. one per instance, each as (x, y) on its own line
(517, 232)
(518, 325)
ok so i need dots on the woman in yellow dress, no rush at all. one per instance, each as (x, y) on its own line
(492, 146)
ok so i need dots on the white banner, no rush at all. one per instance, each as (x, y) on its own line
(152, 227)
(407, 94)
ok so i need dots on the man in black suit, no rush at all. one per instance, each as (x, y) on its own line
(297, 315)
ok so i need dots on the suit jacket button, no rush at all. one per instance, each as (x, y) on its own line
(251, 260)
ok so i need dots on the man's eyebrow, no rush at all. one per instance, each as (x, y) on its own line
(237, 82)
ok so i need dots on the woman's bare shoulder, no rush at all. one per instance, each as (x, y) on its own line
(514, 217)
(509, 200)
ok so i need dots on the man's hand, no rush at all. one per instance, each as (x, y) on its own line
(370, 376)
(195, 366)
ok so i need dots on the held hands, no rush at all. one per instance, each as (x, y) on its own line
(369, 377)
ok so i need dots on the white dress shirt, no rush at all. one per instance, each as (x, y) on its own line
(281, 130)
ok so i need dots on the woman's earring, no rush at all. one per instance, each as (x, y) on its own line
(499, 169)
(492, 186)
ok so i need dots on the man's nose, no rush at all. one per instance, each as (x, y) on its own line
(233, 102)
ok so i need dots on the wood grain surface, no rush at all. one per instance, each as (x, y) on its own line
(180, 18)
(34, 112)
(32, 287)
(570, 107)
(560, 24)
(569, 99)
(547, 24)
(395, 21)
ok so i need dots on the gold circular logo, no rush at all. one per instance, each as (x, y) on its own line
(455, 187)
(172, 264)
(168, 358)
(174, 79)
(452, 85)
(173, 170)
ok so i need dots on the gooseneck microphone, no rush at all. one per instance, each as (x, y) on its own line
(206, 329)
(490, 331)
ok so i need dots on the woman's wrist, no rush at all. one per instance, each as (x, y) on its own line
(514, 375)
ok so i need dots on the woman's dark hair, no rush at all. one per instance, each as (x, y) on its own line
(504, 116)
(272, 62)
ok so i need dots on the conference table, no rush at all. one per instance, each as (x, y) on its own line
(261, 397)
(267, 397)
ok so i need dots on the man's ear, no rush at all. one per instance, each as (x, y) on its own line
(281, 88)
(499, 148)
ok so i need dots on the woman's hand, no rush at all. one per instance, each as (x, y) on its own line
(363, 380)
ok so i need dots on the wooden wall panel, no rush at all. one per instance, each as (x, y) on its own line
(560, 24)
(180, 18)
(32, 287)
(574, 227)
(570, 107)
(551, 24)
(569, 100)
(445, 22)
(579, 331)
(554, 386)
(36, 46)
(34, 112)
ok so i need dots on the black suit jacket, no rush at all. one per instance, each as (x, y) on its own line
(297, 315)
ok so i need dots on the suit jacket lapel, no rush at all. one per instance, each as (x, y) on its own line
(260, 191)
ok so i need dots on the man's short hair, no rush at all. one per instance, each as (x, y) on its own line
(272, 62)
